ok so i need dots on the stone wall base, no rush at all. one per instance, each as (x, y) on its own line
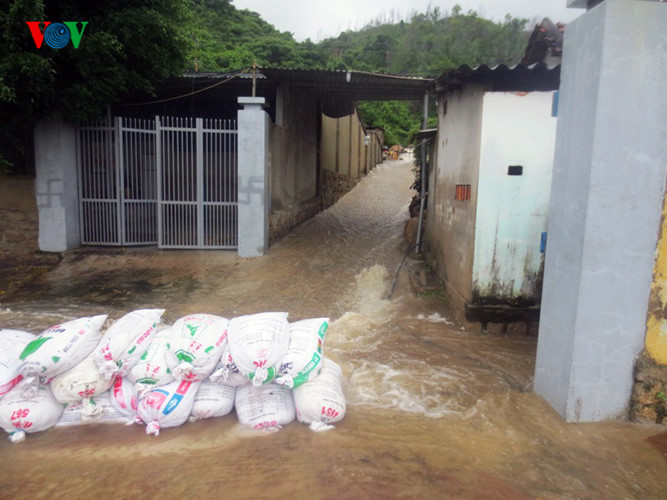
(334, 186)
(650, 381)
(282, 221)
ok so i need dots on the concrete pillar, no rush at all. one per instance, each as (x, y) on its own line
(56, 186)
(609, 176)
(253, 177)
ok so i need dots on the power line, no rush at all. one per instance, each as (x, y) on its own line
(239, 73)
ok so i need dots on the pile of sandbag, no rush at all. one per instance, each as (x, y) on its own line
(140, 370)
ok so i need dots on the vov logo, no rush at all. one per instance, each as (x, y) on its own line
(56, 35)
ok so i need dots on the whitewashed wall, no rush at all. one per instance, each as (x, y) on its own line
(512, 211)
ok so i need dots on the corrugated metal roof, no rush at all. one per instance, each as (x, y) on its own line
(500, 77)
(426, 133)
(355, 85)
(338, 90)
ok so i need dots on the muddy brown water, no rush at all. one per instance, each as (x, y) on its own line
(435, 409)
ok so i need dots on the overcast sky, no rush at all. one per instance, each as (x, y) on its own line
(319, 19)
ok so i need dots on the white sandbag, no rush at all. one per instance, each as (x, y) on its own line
(20, 414)
(227, 372)
(81, 382)
(195, 346)
(125, 341)
(167, 406)
(304, 354)
(320, 401)
(151, 370)
(12, 344)
(123, 397)
(257, 343)
(97, 410)
(58, 349)
(266, 407)
(213, 399)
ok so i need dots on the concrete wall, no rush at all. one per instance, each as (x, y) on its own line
(450, 226)
(346, 155)
(518, 130)
(293, 160)
(56, 186)
(293, 141)
(608, 183)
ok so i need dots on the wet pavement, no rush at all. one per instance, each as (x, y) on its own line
(436, 409)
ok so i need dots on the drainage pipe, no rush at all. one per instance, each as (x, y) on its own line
(424, 177)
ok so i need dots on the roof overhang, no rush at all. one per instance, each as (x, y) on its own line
(426, 133)
(338, 90)
(500, 78)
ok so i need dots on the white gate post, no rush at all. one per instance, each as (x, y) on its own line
(56, 185)
(254, 192)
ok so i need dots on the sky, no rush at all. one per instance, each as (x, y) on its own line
(320, 19)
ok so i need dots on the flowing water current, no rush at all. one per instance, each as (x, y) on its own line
(436, 409)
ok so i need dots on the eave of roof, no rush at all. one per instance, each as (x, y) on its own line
(500, 77)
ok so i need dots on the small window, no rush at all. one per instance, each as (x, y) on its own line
(462, 192)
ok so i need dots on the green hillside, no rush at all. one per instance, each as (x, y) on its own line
(425, 44)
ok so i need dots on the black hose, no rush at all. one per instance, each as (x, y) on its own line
(391, 292)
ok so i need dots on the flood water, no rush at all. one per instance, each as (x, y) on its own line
(435, 409)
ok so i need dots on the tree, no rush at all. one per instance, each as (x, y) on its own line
(127, 45)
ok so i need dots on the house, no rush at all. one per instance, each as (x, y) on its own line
(189, 169)
(489, 186)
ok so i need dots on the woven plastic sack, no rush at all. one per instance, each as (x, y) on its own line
(125, 341)
(267, 407)
(257, 343)
(123, 397)
(20, 414)
(320, 401)
(304, 354)
(213, 399)
(12, 344)
(167, 406)
(195, 346)
(227, 372)
(151, 370)
(58, 349)
(81, 382)
(97, 410)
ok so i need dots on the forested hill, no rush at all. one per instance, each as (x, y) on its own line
(226, 38)
(425, 44)
(428, 43)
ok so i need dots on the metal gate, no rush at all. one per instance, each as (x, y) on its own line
(197, 183)
(168, 181)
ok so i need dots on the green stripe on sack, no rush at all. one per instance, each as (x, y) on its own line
(33, 346)
(304, 375)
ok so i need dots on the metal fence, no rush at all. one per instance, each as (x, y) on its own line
(169, 181)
